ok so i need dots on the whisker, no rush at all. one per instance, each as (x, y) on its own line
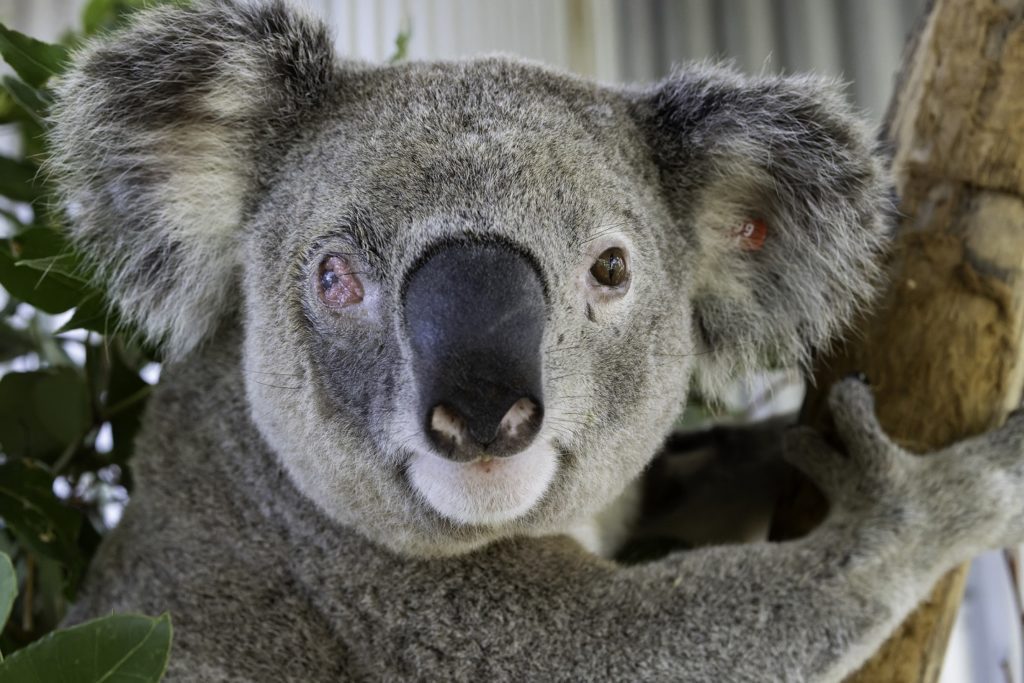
(276, 386)
(602, 231)
(276, 374)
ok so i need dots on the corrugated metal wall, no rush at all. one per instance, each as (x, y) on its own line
(613, 40)
(858, 40)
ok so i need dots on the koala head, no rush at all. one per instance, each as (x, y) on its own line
(472, 295)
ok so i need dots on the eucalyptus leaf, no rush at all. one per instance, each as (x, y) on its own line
(97, 15)
(401, 52)
(49, 251)
(101, 15)
(22, 434)
(36, 517)
(32, 101)
(61, 264)
(19, 180)
(120, 648)
(61, 401)
(10, 112)
(39, 243)
(39, 267)
(48, 293)
(93, 314)
(8, 589)
(14, 342)
(43, 413)
(33, 60)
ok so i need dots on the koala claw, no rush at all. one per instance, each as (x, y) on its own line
(860, 377)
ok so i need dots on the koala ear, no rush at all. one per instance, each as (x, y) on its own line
(775, 184)
(164, 134)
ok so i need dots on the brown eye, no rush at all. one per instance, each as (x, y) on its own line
(610, 268)
(338, 285)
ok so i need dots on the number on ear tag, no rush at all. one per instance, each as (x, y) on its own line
(752, 234)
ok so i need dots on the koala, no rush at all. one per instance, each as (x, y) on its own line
(422, 321)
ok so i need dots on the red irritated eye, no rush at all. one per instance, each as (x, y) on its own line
(337, 284)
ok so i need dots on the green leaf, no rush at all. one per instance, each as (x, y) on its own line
(61, 402)
(33, 102)
(121, 394)
(101, 15)
(61, 264)
(50, 277)
(37, 518)
(39, 243)
(19, 180)
(13, 342)
(121, 648)
(35, 288)
(94, 315)
(10, 112)
(33, 60)
(22, 435)
(402, 43)
(8, 589)
(48, 251)
(43, 413)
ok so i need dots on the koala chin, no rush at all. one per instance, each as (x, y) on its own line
(484, 492)
(422, 320)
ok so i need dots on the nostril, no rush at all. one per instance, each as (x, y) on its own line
(447, 426)
(520, 419)
(455, 438)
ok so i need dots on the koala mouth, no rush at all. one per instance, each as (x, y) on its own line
(484, 491)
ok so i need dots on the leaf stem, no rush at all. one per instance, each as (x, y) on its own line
(27, 598)
(128, 402)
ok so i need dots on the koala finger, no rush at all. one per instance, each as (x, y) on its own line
(807, 450)
(853, 409)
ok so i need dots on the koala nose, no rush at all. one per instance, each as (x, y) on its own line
(474, 316)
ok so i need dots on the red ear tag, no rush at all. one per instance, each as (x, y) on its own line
(752, 234)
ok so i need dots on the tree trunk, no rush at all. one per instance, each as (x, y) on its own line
(943, 350)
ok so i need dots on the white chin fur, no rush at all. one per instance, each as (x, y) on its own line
(499, 490)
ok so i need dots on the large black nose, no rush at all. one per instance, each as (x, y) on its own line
(475, 317)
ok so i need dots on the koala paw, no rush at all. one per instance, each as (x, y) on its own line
(873, 467)
(963, 499)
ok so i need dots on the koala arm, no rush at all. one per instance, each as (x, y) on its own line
(811, 609)
(815, 608)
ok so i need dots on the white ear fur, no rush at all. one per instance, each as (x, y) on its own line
(162, 132)
(788, 151)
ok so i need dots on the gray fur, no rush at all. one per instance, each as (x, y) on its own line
(277, 511)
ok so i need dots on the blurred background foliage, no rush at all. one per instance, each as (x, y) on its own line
(73, 384)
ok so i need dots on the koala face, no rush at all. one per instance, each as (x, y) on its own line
(473, 294)
(497, 360)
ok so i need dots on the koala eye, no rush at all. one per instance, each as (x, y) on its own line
(610, 268)
(337, 285)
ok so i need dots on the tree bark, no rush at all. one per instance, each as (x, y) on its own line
(943, 350)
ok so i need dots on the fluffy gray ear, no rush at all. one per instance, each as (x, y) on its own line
(775, 182)
(164, 133)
